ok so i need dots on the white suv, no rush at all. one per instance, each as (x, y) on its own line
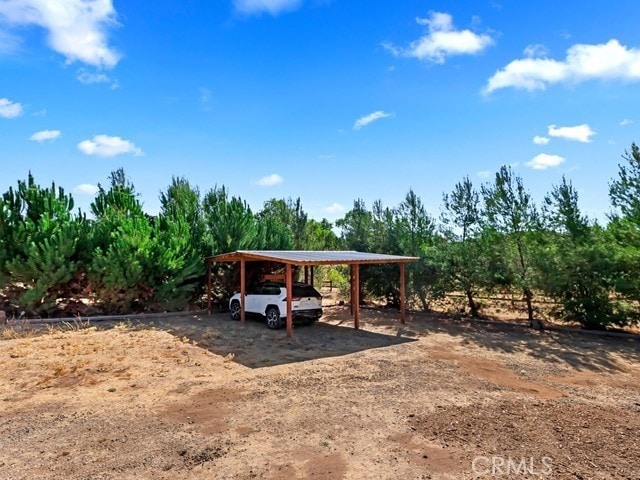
(269, 300)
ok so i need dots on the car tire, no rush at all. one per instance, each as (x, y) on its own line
(274, 322)
(234, 310)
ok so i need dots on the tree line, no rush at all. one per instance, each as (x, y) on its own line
(55, 260)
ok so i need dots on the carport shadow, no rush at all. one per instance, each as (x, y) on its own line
(254, 345)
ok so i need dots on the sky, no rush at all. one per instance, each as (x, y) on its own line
(326, 100)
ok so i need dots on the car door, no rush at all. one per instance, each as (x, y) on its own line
(270, 296)
(252, 299)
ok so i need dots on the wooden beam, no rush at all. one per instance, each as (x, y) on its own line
(289, 286)
(356, 289)
(209, 287)
(402, 294)
(243, 290)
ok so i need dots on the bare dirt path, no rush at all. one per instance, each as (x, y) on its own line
(417, 401)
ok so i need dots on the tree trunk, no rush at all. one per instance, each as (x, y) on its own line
(533, 322)
(423, 300)
(472, 304)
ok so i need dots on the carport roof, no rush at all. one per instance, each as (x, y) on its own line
(310, 257)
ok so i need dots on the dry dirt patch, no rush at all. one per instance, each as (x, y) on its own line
(392, 401)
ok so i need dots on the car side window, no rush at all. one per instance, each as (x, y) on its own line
(254, 290)
(271, 290)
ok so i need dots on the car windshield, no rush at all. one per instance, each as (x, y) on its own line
(305, 291)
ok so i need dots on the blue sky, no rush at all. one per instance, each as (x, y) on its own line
(329, 100)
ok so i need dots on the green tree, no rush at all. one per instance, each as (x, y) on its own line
(289, 213)
(273, 234)
(122, 240)
(181, 202)
(41, 244)
(356, 227)
(382, 280)
(141, 263)
(576, 263)
(511, 213)
(178, 246)
(624, 228)
(463, 255)
(624, 191)
(230, 223)
(414, 230)
(320, 236)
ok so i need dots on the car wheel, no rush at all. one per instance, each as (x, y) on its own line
(234, 310)
(273, 318)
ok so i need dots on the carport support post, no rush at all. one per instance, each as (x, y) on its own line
(243, 290)
(306, 274)
(351, 286)
(209, 287)
(289, 286)
(402, 294)
(356, 290)
(311, 275)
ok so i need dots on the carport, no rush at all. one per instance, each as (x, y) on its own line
(308, 259)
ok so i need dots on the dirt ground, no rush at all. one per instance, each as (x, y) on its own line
(204, 397)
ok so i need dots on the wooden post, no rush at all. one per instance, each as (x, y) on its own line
(312, 275)
(356, 289)
(243, 290)
(209, 287)
(402, 294)
(289, 286)
(306, 274)
(351, 286)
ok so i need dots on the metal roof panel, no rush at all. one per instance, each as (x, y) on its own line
(311, 257)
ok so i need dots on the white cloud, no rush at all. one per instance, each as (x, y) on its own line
(538, 140)
(334, 208)
(544, 161)
(89, 78)
(76, 29)
(484, 174)
(536, 50)
(270, 180)
(274, 7)
(442, 40)
(626, 122)
(367, 119)
(606, 61)
(106, 146)
(579, 133)
(45, 135)
(9, 109)
(85, 189)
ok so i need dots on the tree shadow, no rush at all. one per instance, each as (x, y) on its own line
(580, 350)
